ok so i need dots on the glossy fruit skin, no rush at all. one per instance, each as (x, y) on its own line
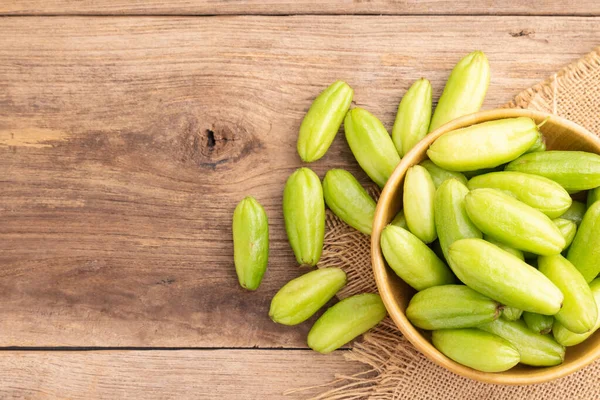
(250, 242)
(584, 252)
(304, 215)
(476, 349)
(512, 222)
(464, 91)
(503, 277)
(418, 198)
(593, 196)
(534, 349)
(567, 228)
(568, 338)
(412, 260)
(575, 212)
(573, 170)
(400, 220)
(349, 200)
(485, 145)
(413, 117)
(538, 323)
(451, 307)
(535, 191)
(300, 298)
(515, 252)
(439, 175)
(345, 321)
(511, 313)
(371, 145)
(323, 120)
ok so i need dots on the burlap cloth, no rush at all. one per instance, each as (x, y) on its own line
(396, 369)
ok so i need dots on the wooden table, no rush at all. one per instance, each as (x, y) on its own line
(129, 129)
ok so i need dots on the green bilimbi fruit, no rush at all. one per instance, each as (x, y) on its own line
(439, 175)
(418, 197)
(568, 338)
(539, 145)
(345, 321)
(464, 91)
(503, 277)
(349, 200)
(323, 120)
(250, 242)
(593, 196)
(579, 311)
(451, 220)
(371, 145)
(450, 307)
(399, 220)
(476, 349)
(511, 313)
(573, 170)
(535, 191)
(567, 228)
(300, 298)
(414, 115)
(539, 323)
(304, 215)
(517, 253)
(513, 223)
(584, 252)
(412, 260)
(485, 145)
(575, 212)
(534, 349)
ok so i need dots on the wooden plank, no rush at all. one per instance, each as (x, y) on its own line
(189, 374)
(125, 144)
(286, 7)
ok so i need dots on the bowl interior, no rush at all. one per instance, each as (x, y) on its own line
(560, 134)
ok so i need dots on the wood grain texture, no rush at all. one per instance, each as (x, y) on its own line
(189, 374)
(125, 144)
(286, 7)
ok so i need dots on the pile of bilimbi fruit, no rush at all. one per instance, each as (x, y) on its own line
(504, 261)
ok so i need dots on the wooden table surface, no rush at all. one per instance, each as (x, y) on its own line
(129, 130)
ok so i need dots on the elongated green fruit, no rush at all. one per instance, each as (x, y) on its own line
(345, 321)
(573, 170)
(451, 220)
(300, 298)
(512, 222)
(534, 349)
(515, 252)
(535, 191)
(476, 349)
(323, 120)
(371, 145)
(304, 215)
(503, 277)
(568, 338)
(412, 260)
(511, 313)
(399, 220)
(579, 311)
(593, 196)
(349, 200)
(439, 175)
(250, 242)
(414, 115)
(418, 196)
(539, 145)
(450, 307)
(538, 323)
(465, 90)
(567, 228)
(485, 145)
(575, 212)
(584, 252)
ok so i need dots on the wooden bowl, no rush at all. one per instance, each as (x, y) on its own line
(560, 134)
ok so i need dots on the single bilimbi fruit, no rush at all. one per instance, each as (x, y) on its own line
(568, 338)
(304, 215)
(371, 145)
(503, 277)
(539, 145)
(573, 170)
(575, 212)
(418, 198)
(511, 313)
(476, 349)
(584, 252)
(539, 323)
(451, 307)
(485, 145)
(414, 115)
(323, 120)
(464, 91)
(349, 200)
(300, 298)
(399, 220)
(440, 175)
(250, 242)
(515, 252)
(593, 196)
(567, 228)
(345, 321)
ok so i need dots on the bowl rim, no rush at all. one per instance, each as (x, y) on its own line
(543, 374)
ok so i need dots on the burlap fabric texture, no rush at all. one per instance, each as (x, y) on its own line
(396, 370)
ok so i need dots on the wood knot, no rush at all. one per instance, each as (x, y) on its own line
(522, 32)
